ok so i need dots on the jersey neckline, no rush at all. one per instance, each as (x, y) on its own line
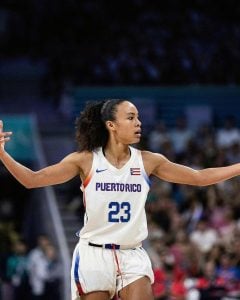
(124, 167)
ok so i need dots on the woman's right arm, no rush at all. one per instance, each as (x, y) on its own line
(54, 174)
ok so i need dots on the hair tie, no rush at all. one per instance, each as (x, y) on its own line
(105, 104)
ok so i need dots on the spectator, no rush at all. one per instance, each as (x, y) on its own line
(54, 274)
(229, 134)
(17, 271)
(157, 137)
(203, 236)
(210, 285)
(169, 283)
(180, 135)
(230, 273)
(186, 255)
(37, 268)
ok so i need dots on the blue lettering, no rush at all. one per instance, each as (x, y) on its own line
(118, 187)
(127, 187)
(108, 186)
(113, 187)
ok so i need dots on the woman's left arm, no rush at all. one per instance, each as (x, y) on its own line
(163, 168)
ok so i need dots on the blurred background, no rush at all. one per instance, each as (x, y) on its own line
(178, 61)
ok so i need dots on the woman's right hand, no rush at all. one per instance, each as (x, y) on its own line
(4, 137)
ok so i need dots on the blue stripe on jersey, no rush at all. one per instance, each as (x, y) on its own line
(147, 179)
(76, 267)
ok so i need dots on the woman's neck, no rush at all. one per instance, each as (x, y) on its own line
(117, 156)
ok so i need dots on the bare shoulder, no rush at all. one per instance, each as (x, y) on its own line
(79, 157)
(152, 161)
(83, 160)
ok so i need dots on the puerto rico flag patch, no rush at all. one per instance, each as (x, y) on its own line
(135, 171)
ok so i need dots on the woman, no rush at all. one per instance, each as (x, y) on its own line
(109, 257)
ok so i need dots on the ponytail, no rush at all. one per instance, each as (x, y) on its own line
(91, 131)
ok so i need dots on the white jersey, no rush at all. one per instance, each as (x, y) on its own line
(115, 201)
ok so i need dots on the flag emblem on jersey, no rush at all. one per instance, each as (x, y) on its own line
(135, 171)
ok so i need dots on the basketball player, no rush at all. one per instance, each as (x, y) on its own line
(109, 257)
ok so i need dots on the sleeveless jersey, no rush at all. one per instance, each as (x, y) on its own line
(114, 200)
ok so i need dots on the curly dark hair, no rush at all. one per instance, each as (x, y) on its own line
(91, 131)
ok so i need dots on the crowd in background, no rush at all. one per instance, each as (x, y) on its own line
(194, 232)
(194, 236)
(30, 274)
(138, 42)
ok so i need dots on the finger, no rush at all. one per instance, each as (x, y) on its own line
(1, 125)
(8, 133)
(3, 140)
(5, 134)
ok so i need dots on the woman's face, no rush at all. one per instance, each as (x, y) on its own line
(126, 128)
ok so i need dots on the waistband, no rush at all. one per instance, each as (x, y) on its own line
(111, 246)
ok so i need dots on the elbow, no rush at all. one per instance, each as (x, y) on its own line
(28, 185)
(200, 180)
(201, 183)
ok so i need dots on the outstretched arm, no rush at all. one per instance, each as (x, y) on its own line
(161, 167)
(55, 174)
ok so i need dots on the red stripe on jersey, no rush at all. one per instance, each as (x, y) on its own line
(79, 287)
(87, 180)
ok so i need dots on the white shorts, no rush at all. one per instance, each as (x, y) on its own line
(100, 269)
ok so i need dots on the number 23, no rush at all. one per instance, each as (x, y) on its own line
(119, 212)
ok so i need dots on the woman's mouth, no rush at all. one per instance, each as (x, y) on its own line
(138, 133)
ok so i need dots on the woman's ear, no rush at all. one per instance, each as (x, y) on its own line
(109, 125)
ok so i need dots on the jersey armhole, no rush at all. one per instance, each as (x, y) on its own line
(144, 173)
(90, 174)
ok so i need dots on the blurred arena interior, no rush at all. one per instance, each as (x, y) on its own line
(179, 62)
